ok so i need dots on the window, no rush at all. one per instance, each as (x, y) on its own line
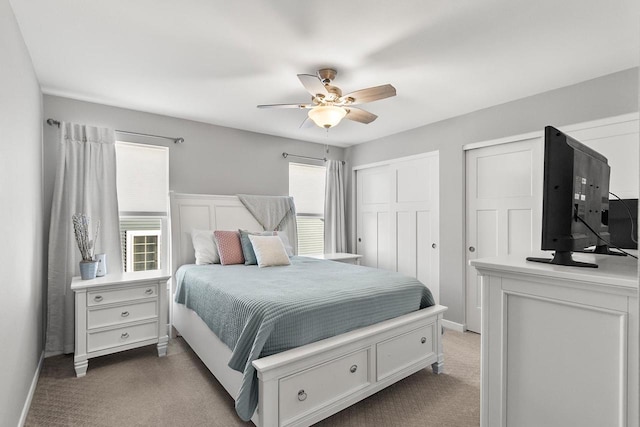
(143, 250)
(133, 230)
(143, 189)
(306, 186)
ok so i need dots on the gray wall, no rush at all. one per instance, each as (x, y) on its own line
(607, 96)
(212, 160)
(21, 252)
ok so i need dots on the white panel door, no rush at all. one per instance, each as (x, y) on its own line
(504, 209)
(373, 228)
(416, 231)
(397, 218)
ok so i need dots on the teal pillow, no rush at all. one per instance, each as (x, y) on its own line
(247, 247)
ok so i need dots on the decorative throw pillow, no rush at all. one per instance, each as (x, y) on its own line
(204, 246)
(269, 251)
(247, 248)
(229, 247)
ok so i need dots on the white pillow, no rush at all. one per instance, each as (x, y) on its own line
(269, 251)
(285, 241)
(205, 247)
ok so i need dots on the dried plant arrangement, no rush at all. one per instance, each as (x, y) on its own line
(81, 230)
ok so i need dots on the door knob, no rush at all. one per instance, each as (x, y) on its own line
(359, 239)
(472, 249)
(433, 245)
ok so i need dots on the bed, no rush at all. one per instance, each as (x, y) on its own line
(301, 385)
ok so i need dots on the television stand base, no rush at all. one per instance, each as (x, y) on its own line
(563, 258)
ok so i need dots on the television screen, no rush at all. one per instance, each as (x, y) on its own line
(575, 198)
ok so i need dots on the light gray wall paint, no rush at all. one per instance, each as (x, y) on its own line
(212, 160)
(21, 253)
(607, 96)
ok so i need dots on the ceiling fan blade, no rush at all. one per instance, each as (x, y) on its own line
(313, 85)
(370, 94)
(301, 106)
(358, 115)
(307, 123)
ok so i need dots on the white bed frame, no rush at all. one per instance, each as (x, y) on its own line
(304, 385)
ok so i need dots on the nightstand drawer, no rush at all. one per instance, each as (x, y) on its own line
(121, 336)
(118, 312)
(98, 317)
(122, 294)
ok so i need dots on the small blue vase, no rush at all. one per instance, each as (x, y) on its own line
(88, 269)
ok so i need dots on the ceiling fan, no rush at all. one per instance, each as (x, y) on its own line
(329, 106)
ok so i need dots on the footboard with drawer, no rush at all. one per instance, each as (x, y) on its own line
(305, 385)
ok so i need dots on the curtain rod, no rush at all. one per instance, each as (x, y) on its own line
(179, 140)
(324, 159)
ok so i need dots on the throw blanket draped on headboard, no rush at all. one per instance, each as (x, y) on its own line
(274, 213)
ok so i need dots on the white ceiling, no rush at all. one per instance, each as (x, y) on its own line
(214, 61)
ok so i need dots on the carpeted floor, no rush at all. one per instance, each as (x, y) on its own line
(137, 388)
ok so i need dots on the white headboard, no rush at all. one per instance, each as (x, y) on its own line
(204, 212)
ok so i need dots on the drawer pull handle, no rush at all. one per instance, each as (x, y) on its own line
(125, 335)
(423, 340)
(97, 298)
(302, 396)
(124, 314)
(353, 369)
(148, 291)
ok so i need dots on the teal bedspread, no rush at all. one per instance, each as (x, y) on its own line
(257, 312)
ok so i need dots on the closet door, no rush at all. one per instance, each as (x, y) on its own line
(373, 223)
(414, 211)
(504, 209)
(398, 219)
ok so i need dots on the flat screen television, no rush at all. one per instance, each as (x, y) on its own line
(575, 204)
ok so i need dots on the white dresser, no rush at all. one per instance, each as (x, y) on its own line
(559, 344)
(118, 312)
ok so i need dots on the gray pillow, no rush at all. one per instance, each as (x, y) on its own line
(247, 247)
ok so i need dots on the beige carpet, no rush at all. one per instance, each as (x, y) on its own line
(137, 388)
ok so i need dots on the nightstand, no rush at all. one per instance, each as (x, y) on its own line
(339, 257)
(119, 312)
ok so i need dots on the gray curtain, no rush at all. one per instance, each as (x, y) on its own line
(335, 235)
(85, 183)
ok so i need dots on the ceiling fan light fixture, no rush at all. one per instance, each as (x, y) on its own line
(327, 116)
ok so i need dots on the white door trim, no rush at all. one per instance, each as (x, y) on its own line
(398, 160)
(569, 128)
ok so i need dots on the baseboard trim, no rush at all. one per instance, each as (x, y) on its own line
(453, 325)
(32, 390)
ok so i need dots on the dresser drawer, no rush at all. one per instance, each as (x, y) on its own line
(121, 336)
(121, 294)
(314, 388)
(98, 317)
(397, 353)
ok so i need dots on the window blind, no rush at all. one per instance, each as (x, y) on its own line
(142, 178)
(306, 186)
